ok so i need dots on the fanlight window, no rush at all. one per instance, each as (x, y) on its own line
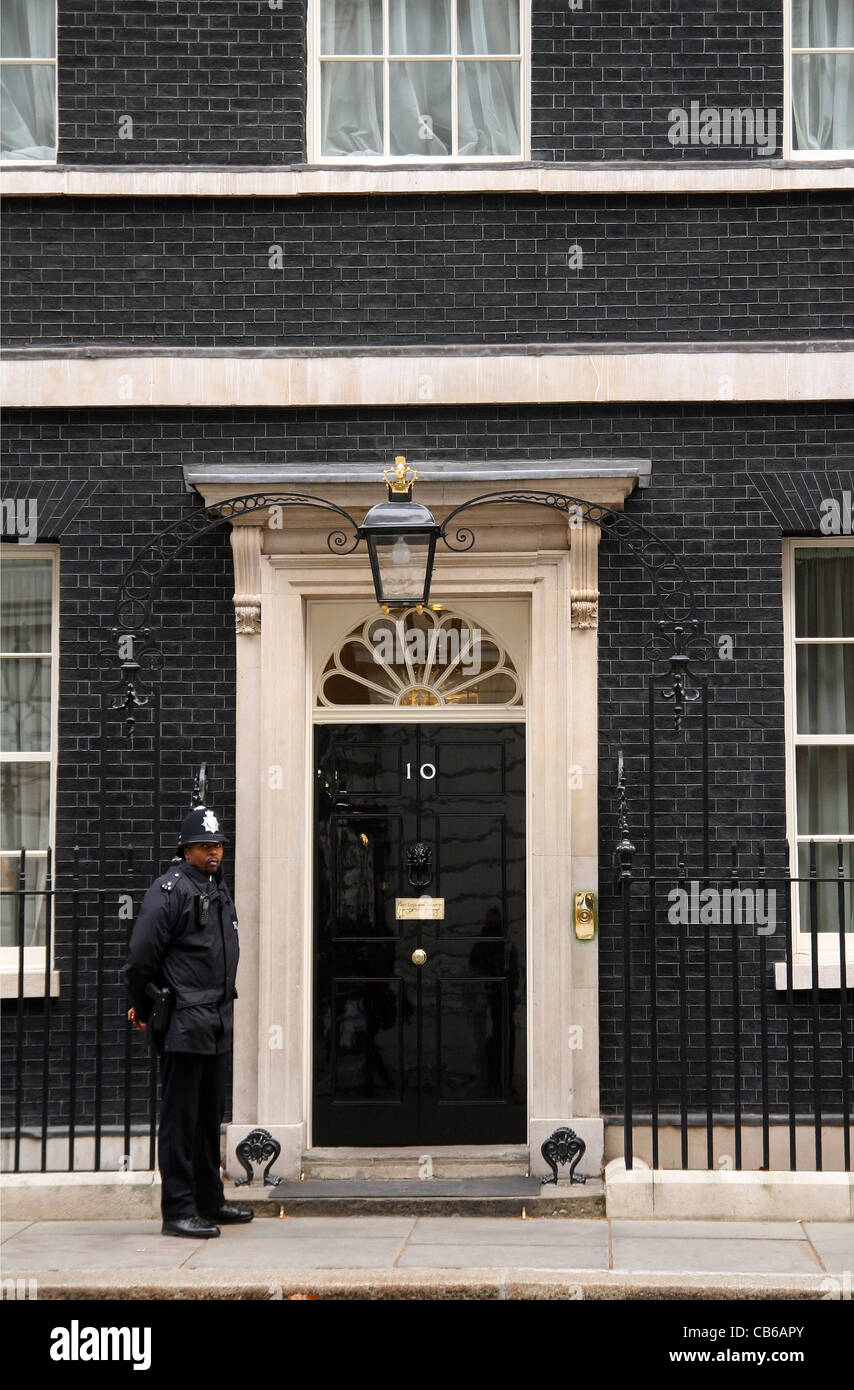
(420, 659)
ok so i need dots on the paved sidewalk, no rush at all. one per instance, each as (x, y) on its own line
(577, 1258)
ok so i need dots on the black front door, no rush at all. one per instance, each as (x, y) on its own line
(409, 1053)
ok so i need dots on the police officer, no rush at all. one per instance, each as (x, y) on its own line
(185, 938)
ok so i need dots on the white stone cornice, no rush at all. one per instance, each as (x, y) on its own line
(601, 176)
(674, 372)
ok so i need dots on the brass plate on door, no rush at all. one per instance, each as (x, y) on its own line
(419, 909)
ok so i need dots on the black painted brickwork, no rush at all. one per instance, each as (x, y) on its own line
(701, 499)
(223, 81)
(471, 269)
(605, 77)
(203, 81)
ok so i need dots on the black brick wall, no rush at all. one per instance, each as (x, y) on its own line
(223, 81)
(605, 77)
(701, 499)
(426, 270)
(204, 81)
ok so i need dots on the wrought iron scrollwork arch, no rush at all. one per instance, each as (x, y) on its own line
(141, 580)
(677, 639)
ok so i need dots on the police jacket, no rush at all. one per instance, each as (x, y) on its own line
(172, 945)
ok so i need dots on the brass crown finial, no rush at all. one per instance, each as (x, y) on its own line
(403, 478)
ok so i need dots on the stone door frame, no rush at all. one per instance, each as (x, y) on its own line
(274, 787)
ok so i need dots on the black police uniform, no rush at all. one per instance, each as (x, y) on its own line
(193, 949)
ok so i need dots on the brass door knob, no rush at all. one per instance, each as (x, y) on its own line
(419, 957)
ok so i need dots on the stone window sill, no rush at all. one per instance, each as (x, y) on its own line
(33, 983)
(828, 974)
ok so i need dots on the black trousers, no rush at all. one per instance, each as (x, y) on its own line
(191, 1111)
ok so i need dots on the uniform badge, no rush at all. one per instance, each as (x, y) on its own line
(210, 822)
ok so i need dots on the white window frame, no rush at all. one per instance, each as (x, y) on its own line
(34, 956)
(313, 111)
(788, 150)
(828, 942)
(40, 62)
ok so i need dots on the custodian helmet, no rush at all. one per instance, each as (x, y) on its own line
(201, 826)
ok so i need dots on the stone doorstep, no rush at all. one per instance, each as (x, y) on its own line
(457, 1161)
(413, 1198)
(433, 1284)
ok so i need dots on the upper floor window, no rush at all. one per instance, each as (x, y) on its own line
(28, 729)
(821, 81)
(418, 79)
(28, 80)
(819, 620)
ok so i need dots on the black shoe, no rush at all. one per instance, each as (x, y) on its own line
(229, 1215)
(196, 1227)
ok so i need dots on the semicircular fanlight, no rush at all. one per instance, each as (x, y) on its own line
(411, 659)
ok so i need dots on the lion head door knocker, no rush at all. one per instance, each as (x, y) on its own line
(419, 862)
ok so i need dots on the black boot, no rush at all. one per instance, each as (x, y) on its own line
(196, 1227)
(230, 1215)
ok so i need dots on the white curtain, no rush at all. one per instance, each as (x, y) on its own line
(823, 83)
(825, 705)
(28, 104)
(25, 704)
(420, 92)
(489, 117)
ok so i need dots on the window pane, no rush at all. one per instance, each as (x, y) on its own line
(825, 685)
(827, 894)
(26, 593)
(824, 592)
(24, 805)
(825, 785)
(822, 24)
(420, 108)
(419, 26)
(489, 121)
(488, 26)
(25, 705)
(351, 26)
(28, 112)
(28, 29)
(35, 909)
(823, 101)
(352, 108)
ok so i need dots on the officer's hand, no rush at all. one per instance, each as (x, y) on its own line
(135, 1021)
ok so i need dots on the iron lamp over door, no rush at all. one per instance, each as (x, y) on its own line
(401, 538)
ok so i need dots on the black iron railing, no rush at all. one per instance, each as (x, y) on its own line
(717, 1029)
(707, 1036)
(79, 1069)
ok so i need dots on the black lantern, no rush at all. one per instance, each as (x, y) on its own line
(401, 539)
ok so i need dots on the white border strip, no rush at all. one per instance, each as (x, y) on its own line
(151, 182)
(666, 375)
